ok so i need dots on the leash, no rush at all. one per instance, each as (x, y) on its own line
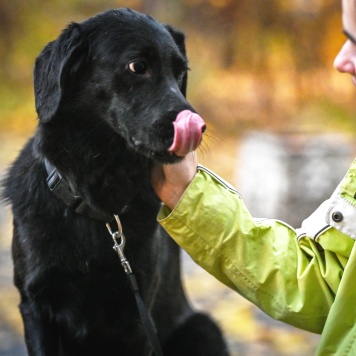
(119, 245)
(62, 190)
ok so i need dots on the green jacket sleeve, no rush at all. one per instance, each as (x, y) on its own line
(292, 279)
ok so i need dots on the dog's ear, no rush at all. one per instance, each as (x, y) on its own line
(52, 70)
(179, 39)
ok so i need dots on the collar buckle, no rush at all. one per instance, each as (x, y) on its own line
(60, 188)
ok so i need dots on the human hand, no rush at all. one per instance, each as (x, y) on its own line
(170, 181)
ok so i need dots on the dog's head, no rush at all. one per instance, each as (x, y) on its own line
(121, 69)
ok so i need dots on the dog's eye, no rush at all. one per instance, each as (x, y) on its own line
(138, 67)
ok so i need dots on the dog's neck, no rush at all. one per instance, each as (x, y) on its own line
(61, 189)
(106, 180)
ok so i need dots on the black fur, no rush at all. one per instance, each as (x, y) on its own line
(102, 126)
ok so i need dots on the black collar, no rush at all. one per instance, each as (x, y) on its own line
(61, 189)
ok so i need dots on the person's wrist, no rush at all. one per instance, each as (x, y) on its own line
(173, 194)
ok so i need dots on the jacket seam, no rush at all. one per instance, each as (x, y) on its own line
(219, 179)
(349, 346)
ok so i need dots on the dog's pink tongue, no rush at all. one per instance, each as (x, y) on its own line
(188, 129)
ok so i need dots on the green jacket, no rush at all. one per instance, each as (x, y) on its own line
(304, 277)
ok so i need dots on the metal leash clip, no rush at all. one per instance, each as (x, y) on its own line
(119, 244)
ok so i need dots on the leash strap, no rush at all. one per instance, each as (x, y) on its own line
(119, 245)
(146, 321)
(61, 189)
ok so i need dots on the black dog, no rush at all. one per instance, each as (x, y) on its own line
(107, 91)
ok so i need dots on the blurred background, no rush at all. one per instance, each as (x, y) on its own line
(280, 124)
